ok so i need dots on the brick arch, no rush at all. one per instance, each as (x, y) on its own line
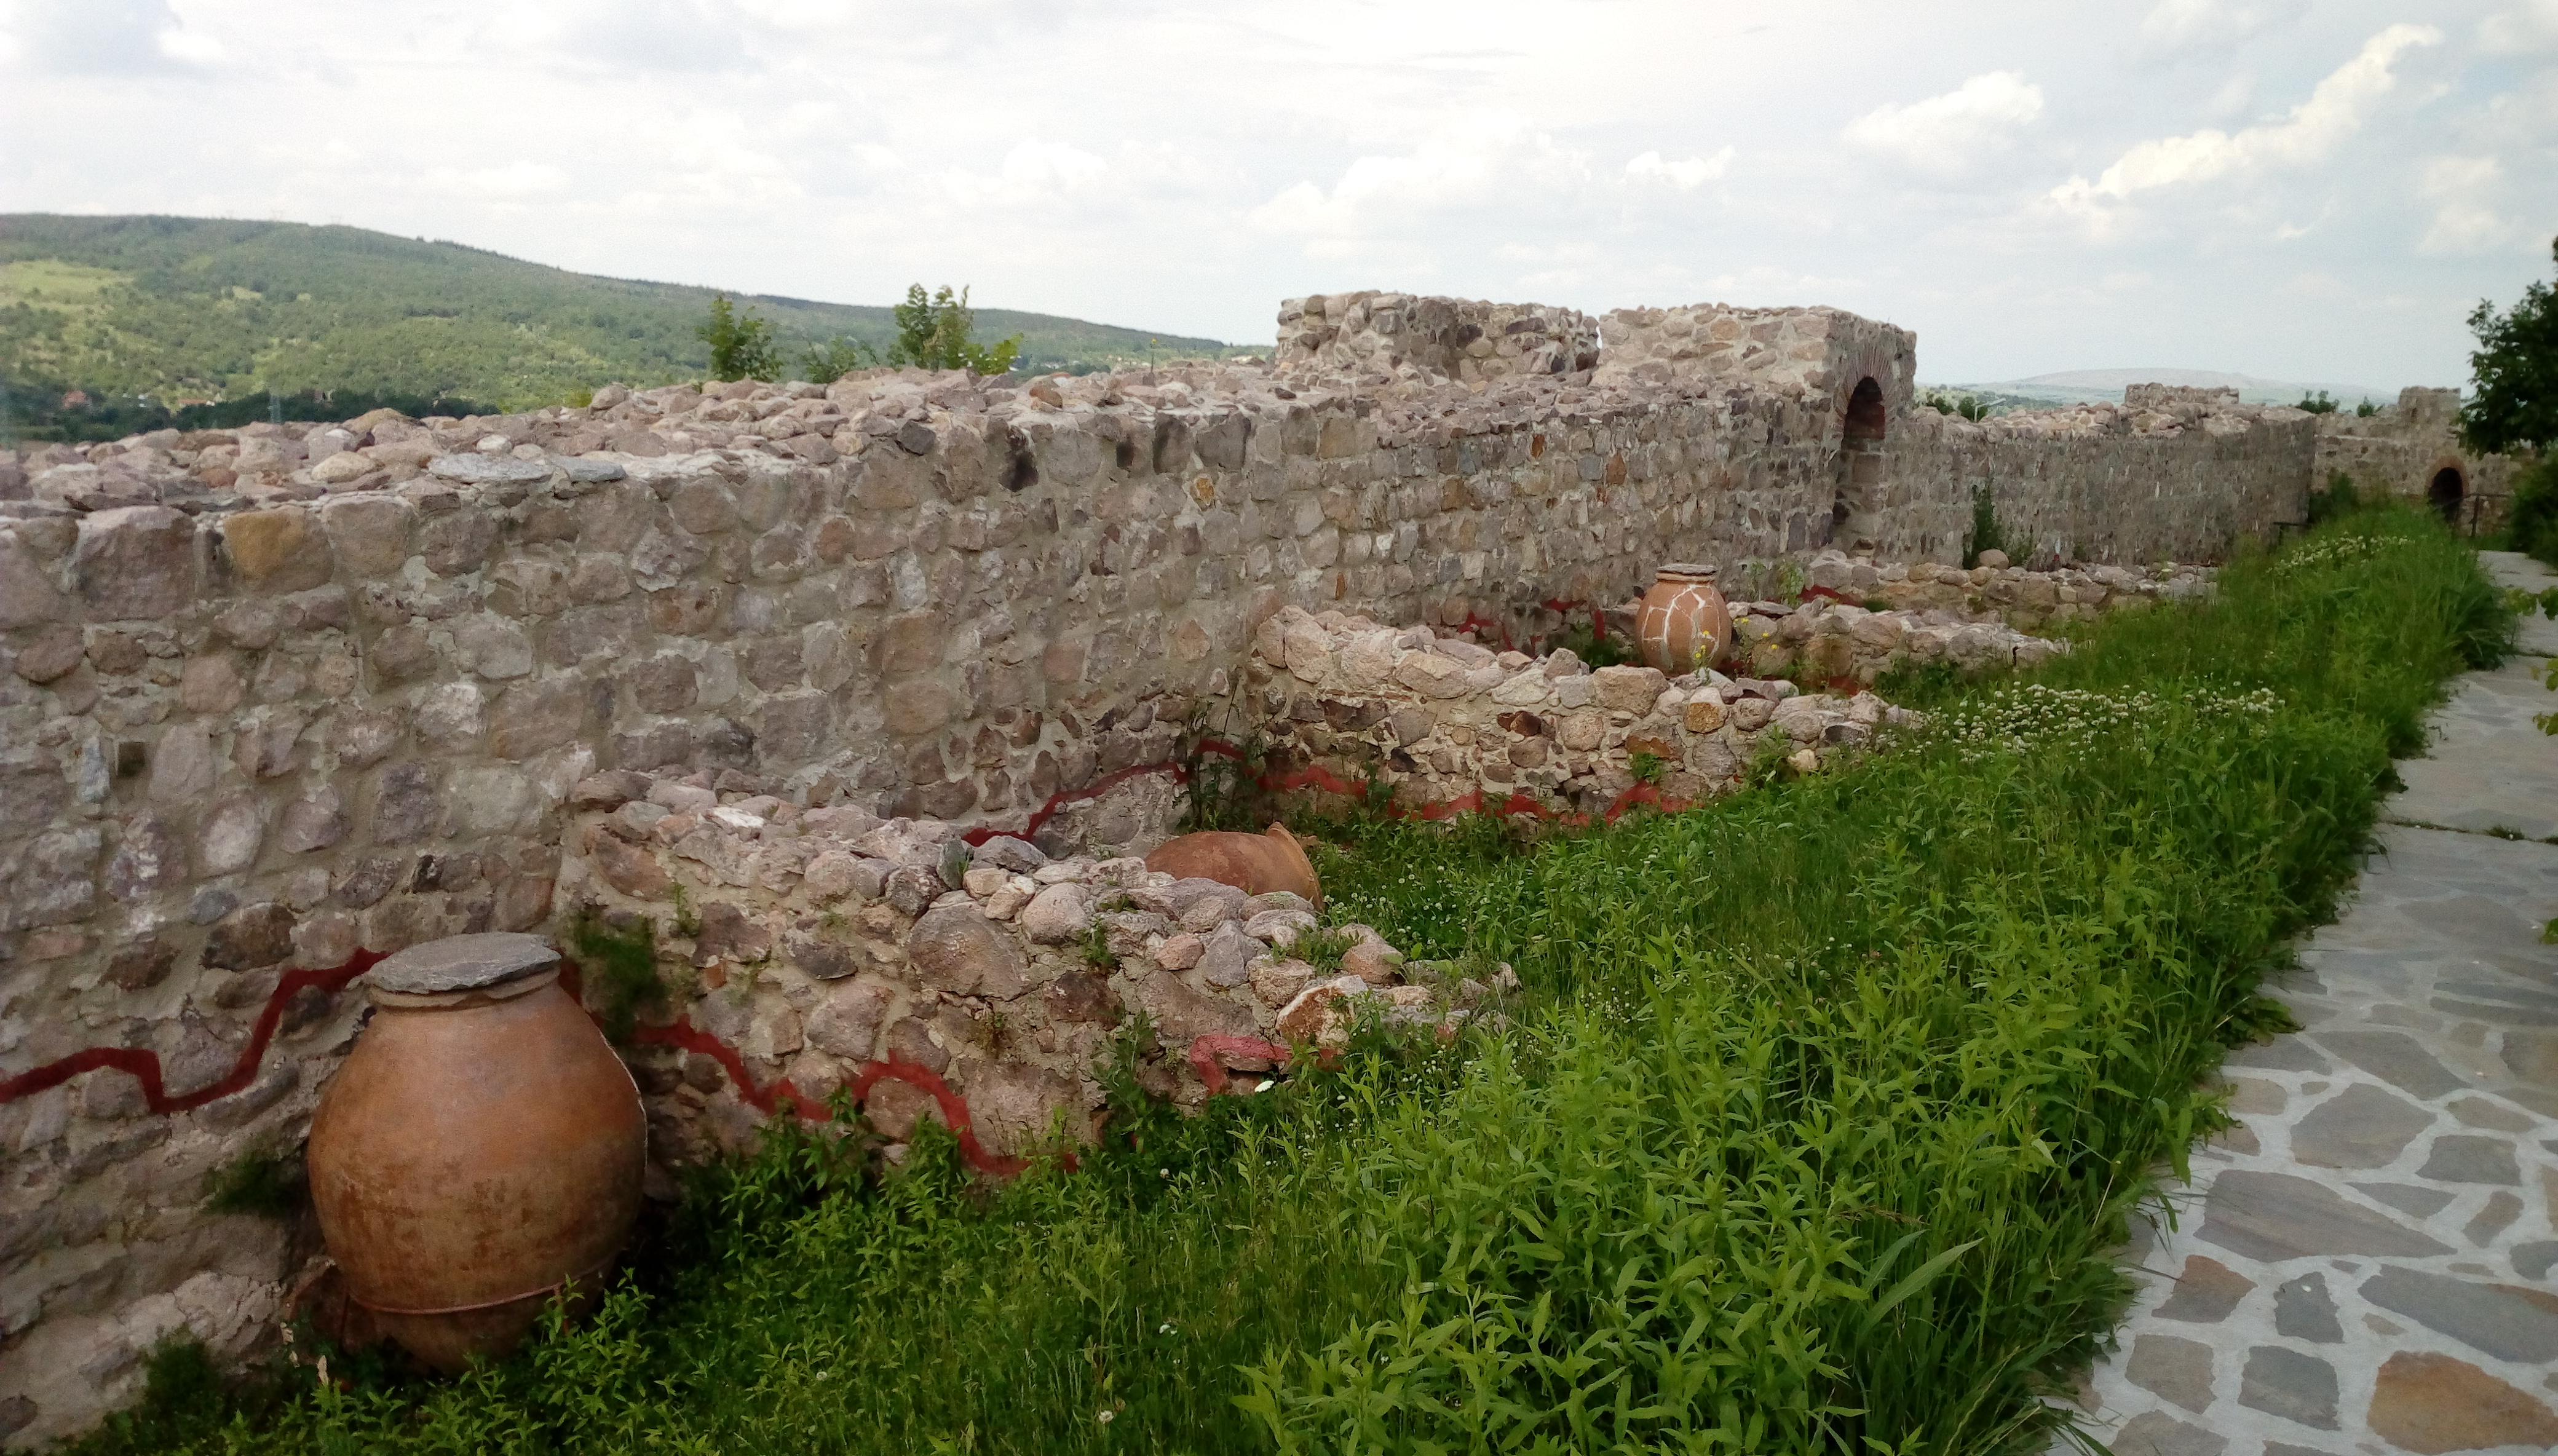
(1877, 361)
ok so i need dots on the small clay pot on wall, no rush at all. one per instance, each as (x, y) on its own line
(480, 1148)
(1684, 623)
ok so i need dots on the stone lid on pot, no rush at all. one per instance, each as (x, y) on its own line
(462, 964)
(1688, 569)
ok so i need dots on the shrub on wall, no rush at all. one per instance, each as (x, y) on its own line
(1985, 534)
(741, 343)
(2335, 499)
(837, 357)
(940, 333)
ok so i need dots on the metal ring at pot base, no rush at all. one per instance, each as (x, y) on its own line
(451, 1340)
(594, 1274)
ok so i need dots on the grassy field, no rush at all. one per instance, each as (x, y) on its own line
(1811, 1132)
(193, 308)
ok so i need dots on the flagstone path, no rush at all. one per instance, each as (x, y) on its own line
(2368, 1262)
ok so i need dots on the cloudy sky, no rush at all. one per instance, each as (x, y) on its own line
(2298, 189)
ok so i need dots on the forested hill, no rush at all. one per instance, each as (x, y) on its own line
(195, 308)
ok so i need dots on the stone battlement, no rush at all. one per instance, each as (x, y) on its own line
(1400, 336)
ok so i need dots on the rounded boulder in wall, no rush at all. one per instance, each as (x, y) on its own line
(955, 948)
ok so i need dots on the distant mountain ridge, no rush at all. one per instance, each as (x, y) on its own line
(2078, 387)
(193, 308)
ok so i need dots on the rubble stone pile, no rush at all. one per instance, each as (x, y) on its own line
(817, 941)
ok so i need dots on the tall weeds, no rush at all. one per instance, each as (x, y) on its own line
(1822, 1114)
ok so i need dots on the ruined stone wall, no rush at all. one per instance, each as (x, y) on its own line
(2194, 397)
(1444, 721)
(1399, 335)
(1340, 700)
(276, 696)
(2095, 482)
(1822, 353)
(2402, 448)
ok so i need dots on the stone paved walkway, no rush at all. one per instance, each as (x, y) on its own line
(2366, 1264)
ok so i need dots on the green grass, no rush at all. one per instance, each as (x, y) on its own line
(1813, 1131)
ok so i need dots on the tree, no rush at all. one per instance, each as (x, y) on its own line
(939, 333)
(741, 343)
(2318, 403)
(2513, 391)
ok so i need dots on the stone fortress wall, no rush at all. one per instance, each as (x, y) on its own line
(282, 697)
(2411, 450)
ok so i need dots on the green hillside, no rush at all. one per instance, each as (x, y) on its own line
(195, 308)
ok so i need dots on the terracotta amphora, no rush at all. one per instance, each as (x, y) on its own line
(1252, 863)
(481, 1147)
(1684, 622)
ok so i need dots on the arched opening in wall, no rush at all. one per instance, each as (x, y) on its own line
(1860, 471)
(2447, 493)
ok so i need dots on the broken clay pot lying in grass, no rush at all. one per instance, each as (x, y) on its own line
(1257, 864)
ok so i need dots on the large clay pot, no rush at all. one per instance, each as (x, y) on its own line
(481, 1146)
(1684, 622)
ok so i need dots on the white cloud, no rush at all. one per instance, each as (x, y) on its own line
(1686, 176)
(2464, 221)
(2236, 95)
(107, 38)
(189, 47)
(1484, 159)
(2527, 29)
(984, 143)
(2317, 284)
(513, 182)
(2183, 27)
(1032, 172)
(1944, 134)
(2334, 111)
(618, 38)
(1569, 253)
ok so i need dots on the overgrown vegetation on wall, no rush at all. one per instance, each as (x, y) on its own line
(1813, 1132)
